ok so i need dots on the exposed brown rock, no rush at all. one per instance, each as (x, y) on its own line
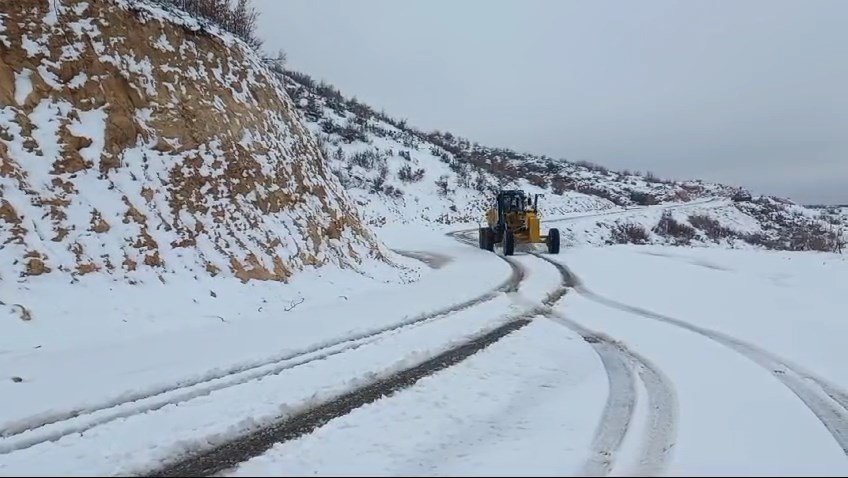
(87, 268)
(8, 213)
(174, 148)
(98, 224)
(35, 267)
(153, 259)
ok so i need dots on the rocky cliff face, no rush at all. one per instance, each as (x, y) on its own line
(134, 140)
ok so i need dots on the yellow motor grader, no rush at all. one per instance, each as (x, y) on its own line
(514, 219)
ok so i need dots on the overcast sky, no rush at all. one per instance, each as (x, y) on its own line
(751, 93)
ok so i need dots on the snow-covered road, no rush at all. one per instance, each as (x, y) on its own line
(636, 360)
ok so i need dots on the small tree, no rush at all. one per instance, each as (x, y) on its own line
(407, 175)
(480, 183)
(442, 185)
(380, 180)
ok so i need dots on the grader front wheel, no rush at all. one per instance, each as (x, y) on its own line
(486, 238)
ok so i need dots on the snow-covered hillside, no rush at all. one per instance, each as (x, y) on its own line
(142, 183)
(121, 155)
(397, 173)
(721, 222)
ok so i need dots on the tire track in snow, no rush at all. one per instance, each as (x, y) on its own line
(660, 433)
(620, 363)
(621, 398)
(827, 403)
(52, 426)
(431, 259)
(825, 400)
(228, 455)
(620, 405)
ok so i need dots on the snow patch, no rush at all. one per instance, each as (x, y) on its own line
(80, 8)
(49, 77)
(78, 80)
(23, 86)
(32, 47)
(163, 44)
(91, 125)
(54, 8)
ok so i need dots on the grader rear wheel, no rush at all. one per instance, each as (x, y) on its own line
(508, 243)
(553, 241)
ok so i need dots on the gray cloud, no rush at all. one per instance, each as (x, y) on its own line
(750, 93)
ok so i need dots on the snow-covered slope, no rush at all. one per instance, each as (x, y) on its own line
(397, 173)
(121, 155)
(143, 182)
(763, 223)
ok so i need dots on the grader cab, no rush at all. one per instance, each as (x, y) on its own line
(514, 219)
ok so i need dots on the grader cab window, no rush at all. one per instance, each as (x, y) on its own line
(515, 203)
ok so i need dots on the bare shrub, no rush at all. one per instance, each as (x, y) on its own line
(301, 78)
(561, 184)
(814, 236)
(667, 226)
(480, 183)
(392, 192)
(238, 18)
(711, 227)
(368, 159)
(408, 175)
(595, 191)
(592, 166)
(643, 199)
(630, 234)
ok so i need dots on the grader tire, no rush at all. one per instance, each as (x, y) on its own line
(553, 241)
(509, 243)
(487, 239)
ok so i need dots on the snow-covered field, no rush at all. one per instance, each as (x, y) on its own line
(662, 360)
(528, 404)
(760, 318)
(512, 409)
